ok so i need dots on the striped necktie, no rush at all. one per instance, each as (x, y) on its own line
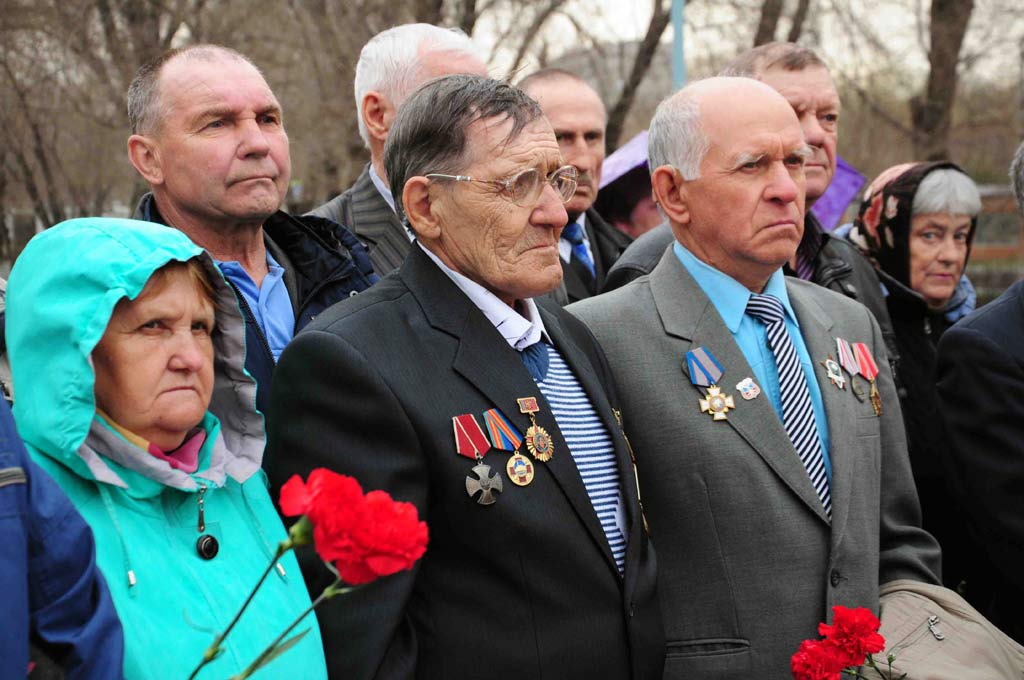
(797, 411)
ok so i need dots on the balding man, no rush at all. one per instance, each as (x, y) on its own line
(588, 246)
(803, 78)
(773, 492)
(391, 66)
(208, 136)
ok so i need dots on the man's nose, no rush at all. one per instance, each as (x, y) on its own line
(783, 186)
(254, 139)
(578, 155)
(814, 134)
(550, 210)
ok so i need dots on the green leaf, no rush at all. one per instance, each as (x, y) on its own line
(280, 649)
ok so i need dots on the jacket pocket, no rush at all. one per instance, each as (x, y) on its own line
(707, 659)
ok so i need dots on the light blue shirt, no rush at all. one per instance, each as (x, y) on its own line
(730, 298)
(269, 303)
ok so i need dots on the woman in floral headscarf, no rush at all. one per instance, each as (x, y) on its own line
(916, 225)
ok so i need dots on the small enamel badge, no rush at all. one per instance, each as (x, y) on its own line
(748, 389)
(834, 372)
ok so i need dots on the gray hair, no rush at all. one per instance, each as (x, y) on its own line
(754, 62)
(389, 62)
(1017, 176)
(144, 98)
(676, 136)
(947, 190)
(429, 131)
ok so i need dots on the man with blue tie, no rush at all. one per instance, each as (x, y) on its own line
(588, 246)
(771, 453)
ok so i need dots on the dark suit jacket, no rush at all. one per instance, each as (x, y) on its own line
(606, 243)
(525, 588)
(364, 211)
(749, 562)
(981, 395)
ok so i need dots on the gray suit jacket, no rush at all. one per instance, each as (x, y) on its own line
(364, 211)
(749, 563)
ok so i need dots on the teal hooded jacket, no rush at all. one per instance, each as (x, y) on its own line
(144, 513)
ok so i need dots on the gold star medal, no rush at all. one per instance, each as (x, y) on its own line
(537, 438)
(705, 371)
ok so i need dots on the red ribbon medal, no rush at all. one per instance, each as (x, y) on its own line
(470, 440)
(869, 369)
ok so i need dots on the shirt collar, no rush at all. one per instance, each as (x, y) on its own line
(382, 188)
(728, 295)
(518, 330)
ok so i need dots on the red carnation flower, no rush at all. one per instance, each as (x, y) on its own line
(366, 537)
(817, 660)
(854, 632)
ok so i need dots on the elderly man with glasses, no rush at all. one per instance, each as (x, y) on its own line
(453, 386)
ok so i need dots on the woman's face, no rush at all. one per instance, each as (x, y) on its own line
(154, 364)
(938, 251)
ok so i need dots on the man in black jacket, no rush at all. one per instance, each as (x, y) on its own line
(589, 246)
(208, 136)
(799, 75)
(539, 565)
(981, 395)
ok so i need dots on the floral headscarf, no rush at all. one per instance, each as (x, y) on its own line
(882, 226)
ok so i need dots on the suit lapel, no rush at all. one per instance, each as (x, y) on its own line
(486, 360)
(816, 329)
(687, 313)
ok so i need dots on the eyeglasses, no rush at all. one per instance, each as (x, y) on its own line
(524, 188)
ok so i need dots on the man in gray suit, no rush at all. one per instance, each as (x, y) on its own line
(776, 482)
(391, 66)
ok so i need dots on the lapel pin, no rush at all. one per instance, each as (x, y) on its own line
(748, 388)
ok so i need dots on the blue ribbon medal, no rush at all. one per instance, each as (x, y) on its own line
(705, 371)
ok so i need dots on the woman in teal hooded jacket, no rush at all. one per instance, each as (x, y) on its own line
(183, 527)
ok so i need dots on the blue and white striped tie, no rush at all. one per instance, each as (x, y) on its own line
(797, 411)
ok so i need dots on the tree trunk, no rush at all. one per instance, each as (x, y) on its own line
(799, 17)
(642, 62)
(931, 112)
(771, 10)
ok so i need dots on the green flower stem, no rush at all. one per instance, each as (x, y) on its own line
(214, 650)
(330, 591)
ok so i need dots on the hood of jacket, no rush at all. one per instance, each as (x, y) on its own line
(60, 298)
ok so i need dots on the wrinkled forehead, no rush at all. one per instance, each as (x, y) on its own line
(191, 83)
(490, 142)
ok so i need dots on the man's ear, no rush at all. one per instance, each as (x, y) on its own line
(144, 154)
(377, 114)
(670, 193)
(419, 208)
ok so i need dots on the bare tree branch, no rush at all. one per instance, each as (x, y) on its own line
(771, 10)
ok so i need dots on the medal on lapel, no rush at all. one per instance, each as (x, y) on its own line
(471, 442)
(705, 371)
(537, 438)
(869, 369)
(849, 363)
(835, 373)
(505, 437)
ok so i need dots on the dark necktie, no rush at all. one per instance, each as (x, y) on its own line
(797, 411)
(536, 359)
